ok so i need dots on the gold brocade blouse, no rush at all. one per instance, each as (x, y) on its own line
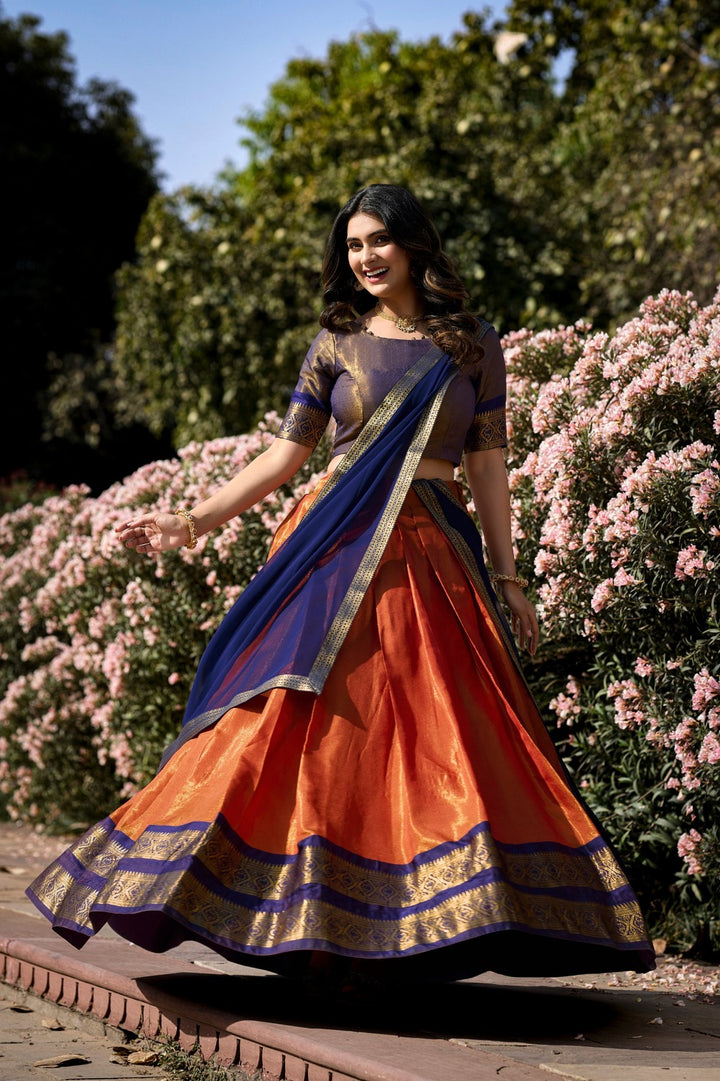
(346, 376)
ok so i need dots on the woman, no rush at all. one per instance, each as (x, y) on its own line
(362, 773)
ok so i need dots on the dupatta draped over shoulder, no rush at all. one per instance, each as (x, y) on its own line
(288, 625)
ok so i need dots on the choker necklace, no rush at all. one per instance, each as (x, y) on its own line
(408, 326)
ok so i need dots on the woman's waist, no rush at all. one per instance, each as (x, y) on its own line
(413, 503)
(427, 469)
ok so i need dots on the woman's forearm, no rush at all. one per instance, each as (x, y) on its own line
(487, 479)
(263, 475)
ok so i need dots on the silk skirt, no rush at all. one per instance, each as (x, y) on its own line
(414, 814)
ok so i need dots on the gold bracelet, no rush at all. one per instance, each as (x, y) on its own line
(183, 513)
(521, 582)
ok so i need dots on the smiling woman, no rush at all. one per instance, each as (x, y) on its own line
(362, 787)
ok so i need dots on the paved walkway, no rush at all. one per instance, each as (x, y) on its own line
(595, 1028)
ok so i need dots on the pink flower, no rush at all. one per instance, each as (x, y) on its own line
(707, 687)
(693, 563)
(622, 578)
(602, 595)
(686, 847)
(704, 490)
(567, 706)
(629, 712)
(710, 749)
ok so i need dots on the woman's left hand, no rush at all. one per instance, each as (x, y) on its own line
(522, 617)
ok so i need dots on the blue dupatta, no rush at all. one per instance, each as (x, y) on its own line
(287, 627)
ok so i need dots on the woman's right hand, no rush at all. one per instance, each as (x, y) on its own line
(154, 533)
(522, 616)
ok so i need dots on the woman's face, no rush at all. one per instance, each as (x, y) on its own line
(377, 262)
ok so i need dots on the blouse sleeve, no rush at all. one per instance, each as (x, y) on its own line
(489, 428)
(309, 410)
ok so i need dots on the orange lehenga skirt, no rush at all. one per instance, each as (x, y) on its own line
(415, 813)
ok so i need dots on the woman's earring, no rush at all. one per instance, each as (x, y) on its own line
(358, 286)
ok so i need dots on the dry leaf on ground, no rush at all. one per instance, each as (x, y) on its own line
(62, 1060)
(144, 1058)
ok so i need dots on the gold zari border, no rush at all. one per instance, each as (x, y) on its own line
(521, 894)
(488, 430)
(303, 424)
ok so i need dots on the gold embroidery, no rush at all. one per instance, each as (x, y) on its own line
(303, 424)
(488, 430)
(481, 907)
(491, 887)
(288, 681)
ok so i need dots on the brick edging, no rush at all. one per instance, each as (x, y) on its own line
(281, 1052)
(118, 1001)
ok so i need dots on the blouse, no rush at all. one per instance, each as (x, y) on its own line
(346, 376)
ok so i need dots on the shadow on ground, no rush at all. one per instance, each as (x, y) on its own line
(463, 1011)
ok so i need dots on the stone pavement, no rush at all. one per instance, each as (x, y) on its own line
(80, 1049)
(665, 1025)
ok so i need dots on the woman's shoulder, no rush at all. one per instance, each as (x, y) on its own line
(486, 332)
(330, 339)
(323, 344)
(489, 352)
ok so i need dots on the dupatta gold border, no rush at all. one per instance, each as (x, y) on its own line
(373, 553)
(314, 681)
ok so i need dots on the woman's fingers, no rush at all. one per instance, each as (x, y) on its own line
(524, 624)
(138, 534)
(152, 534)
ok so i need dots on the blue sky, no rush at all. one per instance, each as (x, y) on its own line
(195, 67)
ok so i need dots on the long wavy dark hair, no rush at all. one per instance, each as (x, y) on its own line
(443, 295)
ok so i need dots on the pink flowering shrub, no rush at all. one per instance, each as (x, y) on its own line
(99, 644)
(615, 479)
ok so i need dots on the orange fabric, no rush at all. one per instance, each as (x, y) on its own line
(424, 730)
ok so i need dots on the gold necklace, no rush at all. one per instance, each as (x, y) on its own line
(408, 326)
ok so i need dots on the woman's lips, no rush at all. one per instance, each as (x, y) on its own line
(376, 274)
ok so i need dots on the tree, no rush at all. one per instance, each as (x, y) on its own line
(78, 174)
(637, 145)
(558, 199)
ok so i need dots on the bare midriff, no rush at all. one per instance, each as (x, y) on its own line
(428, 468)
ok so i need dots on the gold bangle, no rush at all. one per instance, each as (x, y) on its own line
(521, 582)
(183, 513)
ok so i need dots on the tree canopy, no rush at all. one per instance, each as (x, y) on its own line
(566, 152)
(636, 144)
(78, 173)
